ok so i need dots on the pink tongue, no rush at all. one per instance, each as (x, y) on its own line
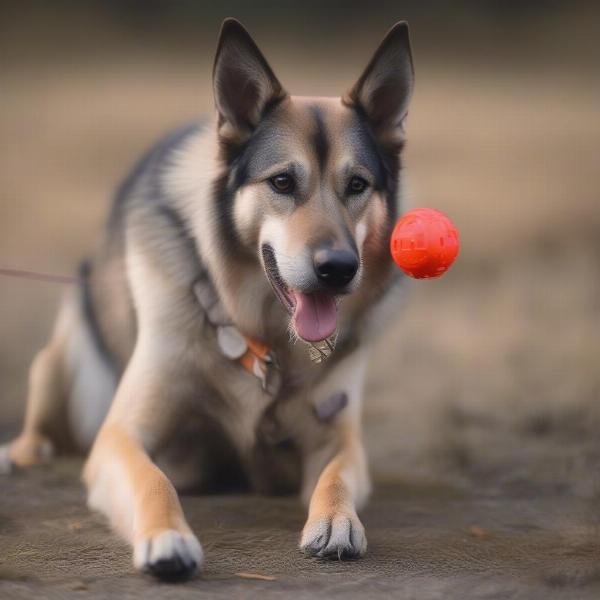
(315, 316)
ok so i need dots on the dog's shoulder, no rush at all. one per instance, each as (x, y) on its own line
(146, 178)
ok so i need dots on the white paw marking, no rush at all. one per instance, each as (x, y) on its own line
(339, 536)
(169, 555)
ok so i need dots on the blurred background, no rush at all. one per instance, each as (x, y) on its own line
(489, 375)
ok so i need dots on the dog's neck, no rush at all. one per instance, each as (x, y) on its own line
(237, 276)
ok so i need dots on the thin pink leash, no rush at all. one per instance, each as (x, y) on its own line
(36, 276)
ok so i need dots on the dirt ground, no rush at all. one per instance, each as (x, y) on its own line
(427, 541)
(482, 405)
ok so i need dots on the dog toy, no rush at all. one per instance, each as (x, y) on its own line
(424, 243)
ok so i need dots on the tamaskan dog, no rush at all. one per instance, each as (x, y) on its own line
(219, 333)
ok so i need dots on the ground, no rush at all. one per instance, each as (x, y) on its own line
(426, 541)
(482, 404)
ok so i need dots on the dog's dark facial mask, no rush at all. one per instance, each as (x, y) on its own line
(312, 182)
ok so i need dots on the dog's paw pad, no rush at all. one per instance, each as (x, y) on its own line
(338, 537)
(169, 555)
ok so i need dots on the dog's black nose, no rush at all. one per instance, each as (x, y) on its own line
(335, 268)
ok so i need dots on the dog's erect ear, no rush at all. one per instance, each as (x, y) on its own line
(384, 89)
(244, 84)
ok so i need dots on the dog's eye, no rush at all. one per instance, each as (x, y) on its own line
(282, 183)
(357, 185)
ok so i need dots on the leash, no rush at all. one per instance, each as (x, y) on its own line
(39, 276)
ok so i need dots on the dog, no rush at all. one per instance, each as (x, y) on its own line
(217, 337)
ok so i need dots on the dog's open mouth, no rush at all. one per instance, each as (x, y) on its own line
(314, 315)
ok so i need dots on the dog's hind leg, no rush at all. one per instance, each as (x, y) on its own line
(46, 401)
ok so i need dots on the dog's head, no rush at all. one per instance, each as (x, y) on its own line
(309, 183)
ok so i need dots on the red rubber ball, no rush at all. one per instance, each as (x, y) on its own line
(424, 243)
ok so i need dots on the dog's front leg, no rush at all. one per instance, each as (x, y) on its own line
(124, 483)
(333, 528)
(342, 486)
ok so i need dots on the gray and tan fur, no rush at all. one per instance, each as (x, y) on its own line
(133, 369)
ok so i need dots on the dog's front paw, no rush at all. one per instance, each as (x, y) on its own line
(169, 555)
(337, 536)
